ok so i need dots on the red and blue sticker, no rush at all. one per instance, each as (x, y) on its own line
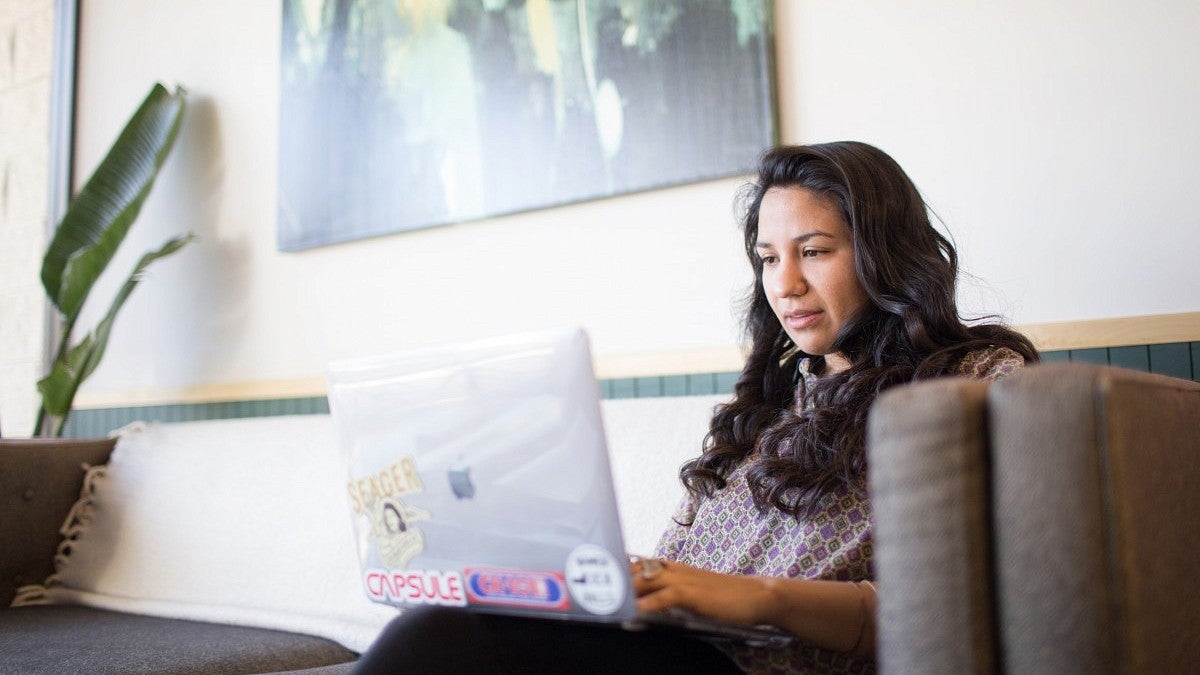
(517, 588)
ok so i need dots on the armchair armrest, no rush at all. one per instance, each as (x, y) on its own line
(927, 458)
(39, 481)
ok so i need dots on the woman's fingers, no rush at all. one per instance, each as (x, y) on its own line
(663, 599)
(652, 576)
(738, 598)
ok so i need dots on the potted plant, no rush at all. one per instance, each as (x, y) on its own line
(87, 238)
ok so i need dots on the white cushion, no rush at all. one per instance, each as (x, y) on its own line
(234, 521)
(648, 440)
(247, 521)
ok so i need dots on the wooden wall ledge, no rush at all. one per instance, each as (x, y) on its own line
(1135, 330)
(1120, 332)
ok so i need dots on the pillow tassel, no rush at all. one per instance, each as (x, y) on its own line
(73, 526)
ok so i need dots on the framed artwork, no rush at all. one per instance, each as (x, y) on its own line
(404, 114)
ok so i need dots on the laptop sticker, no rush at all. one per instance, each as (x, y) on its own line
(379, 498)
(397, 540)
(596, 580)
(416, 587)
(517, 588)
(396, 537)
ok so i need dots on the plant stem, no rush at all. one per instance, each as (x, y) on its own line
(62, 424)
(64, 344)
(41, 418)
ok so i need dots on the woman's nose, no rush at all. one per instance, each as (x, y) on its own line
(788, 281)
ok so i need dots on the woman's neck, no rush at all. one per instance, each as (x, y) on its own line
(835, 363)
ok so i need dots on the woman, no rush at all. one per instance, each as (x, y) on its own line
(854, 293)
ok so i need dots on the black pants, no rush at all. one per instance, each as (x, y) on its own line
(446, 640)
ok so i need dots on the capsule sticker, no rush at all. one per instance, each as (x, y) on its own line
(416, 587)
(596, 580)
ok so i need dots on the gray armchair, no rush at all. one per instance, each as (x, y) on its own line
(1046, 523)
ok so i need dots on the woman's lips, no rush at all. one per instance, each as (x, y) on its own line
(800, 320)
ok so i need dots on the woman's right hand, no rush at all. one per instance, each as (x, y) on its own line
(741, 599)
(835, 615)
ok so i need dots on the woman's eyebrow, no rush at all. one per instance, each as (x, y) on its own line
(796, 240)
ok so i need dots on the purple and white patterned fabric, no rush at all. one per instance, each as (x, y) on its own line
(728, 534)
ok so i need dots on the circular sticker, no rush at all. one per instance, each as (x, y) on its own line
(596, 580)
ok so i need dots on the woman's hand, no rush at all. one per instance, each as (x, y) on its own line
(836, 615)
(748, 600)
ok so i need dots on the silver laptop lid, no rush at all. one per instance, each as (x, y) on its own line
(478, 475)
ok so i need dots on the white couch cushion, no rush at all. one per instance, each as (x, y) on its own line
(247, 521)
(648, 440)
(234, 521)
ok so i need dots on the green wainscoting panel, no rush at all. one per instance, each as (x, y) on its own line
(675, 385)
(697, 384)
(100, 421)
(644, 387)
(701, 384)
(1134, 358)
(1172, 359)
(623, 388)
(1176, 359)
(1180, 359)
(1098, 356)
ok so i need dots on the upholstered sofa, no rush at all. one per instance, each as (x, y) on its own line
(225, 547)
(1044, 523)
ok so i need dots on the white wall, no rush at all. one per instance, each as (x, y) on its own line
(26, 37)
(1057, 140)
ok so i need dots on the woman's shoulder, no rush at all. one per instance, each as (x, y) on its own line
(989, 363)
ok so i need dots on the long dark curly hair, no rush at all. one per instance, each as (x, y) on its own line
(910, 329)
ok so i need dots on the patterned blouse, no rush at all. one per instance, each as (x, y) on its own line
(728, 534)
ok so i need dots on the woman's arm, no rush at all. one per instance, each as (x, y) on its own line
(835, 615)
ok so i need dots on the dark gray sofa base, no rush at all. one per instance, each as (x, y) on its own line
(66, 639)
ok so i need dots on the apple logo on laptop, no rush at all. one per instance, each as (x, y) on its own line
(460, 481)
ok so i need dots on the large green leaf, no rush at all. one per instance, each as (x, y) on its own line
(59, 387)
(101, 214)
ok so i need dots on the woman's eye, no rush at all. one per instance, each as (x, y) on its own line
(813, 252)
(769, 259)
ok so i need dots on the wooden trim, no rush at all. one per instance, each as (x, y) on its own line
(681, 362)
(1144, 330)
(300, 387)
(1134, 330)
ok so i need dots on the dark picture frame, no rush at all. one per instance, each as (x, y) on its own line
(397, 115)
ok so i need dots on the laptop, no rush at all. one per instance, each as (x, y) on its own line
(478, 476)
